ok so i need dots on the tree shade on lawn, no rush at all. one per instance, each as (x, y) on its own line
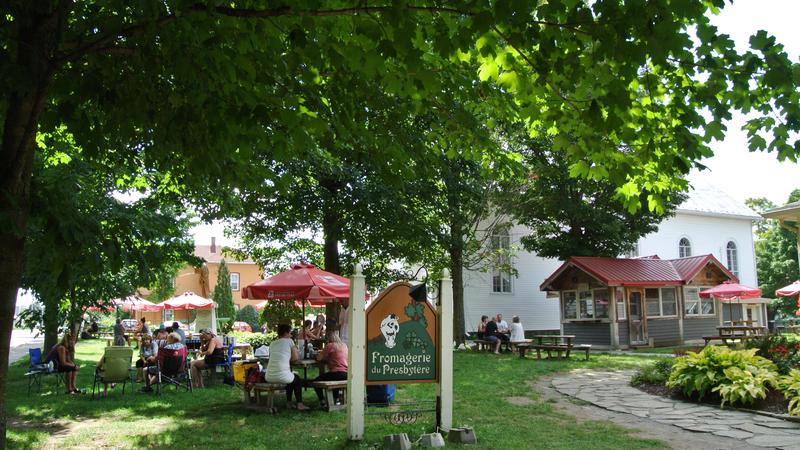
(629, 80)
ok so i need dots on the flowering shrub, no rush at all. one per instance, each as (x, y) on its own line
(785, 353)
(739, 376)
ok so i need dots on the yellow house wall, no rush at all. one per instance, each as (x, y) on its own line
(248, 274)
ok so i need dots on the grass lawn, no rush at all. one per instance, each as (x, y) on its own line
(216, 418)
(669, 350)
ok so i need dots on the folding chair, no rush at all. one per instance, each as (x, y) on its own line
(227, 364)
(172, 369)
(37, 369)
(116, 367)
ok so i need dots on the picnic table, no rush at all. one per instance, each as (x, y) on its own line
(304, 364)
(558, 343)
(731, 334)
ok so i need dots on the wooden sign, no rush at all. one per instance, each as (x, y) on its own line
(401, 338)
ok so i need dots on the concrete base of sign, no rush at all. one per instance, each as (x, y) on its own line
(463, 435)
(397, 442)
(432, 440)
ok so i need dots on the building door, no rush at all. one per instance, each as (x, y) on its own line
(753, 313)
(636, 317)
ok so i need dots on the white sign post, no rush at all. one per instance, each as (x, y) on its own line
(356, 357)
(444, 389)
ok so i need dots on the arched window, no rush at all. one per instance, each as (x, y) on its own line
(684, 248)
(733, 258)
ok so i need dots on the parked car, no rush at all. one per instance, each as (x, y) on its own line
(242, 326)
(130, 325)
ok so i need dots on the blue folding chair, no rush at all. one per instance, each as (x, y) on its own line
(228, 363)
(38, 368)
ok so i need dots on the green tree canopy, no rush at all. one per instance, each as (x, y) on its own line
(776, 256)
(571, 216)
(249, 315)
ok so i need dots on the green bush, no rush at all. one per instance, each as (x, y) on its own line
(249, 315)
(790, 386)
(739, 376)
(655, 373)
(254, 339)
(783, 350)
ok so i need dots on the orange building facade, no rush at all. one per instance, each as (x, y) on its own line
(202, 280)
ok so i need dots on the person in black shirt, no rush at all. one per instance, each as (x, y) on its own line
(491, 335)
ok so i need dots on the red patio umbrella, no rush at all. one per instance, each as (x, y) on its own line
(729, 291)
(304, 282)
(790, 290)
(187, 300)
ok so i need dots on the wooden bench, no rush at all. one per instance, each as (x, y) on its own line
(557, 348)
(481, 345)
(270, 389)
(725, 339)
(329, 388)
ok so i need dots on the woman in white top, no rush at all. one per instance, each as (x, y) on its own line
(517, 333)
(282, 353)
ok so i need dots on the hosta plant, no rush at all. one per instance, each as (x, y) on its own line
(790, 386)
(739, 376)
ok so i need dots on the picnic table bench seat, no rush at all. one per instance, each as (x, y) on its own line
(728, 337)
(550, 348)
(481, 345)
(268, 389)
(329, 388)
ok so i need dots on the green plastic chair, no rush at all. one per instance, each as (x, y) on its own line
(116, 367)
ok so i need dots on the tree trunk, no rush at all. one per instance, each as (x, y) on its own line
(331, 231)
(457, 271)
(35, 37)
(50, 323)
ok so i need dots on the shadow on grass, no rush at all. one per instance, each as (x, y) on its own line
(215, 418)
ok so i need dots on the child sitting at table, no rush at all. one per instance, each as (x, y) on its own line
(282, 353)
(305, 337)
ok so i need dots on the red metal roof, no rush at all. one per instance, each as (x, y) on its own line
(650, 271)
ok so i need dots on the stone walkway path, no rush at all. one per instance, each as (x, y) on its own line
(611, 391)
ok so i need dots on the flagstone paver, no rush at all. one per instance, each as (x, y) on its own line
(612, 391)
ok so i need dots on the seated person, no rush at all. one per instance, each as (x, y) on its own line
(491, 335)
(502, 328)
(282, 353)
(176, 327)
(62, 353)
(482, 327)
(517, 332)
(94, 328)
(319, 327)
(173, 343)
(161, 338)
(119, 334)
(143, 328)
(335, 358)
(148, 350)
(212, 352)
(305, 336)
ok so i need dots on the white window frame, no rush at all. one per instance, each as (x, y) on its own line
(699, 301)
(238, 279)
(622, 310)
(660, 314)
(505, 285)
(733, 262)
(684, 251)
(579, 300)
(169, 315)
(564, 305)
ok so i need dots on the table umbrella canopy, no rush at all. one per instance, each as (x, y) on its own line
(303, 281)
(128, 304)
(730, 290)
(187, 300)
(790, 290)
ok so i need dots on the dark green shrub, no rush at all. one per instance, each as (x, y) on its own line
(249, 315)
(655, 373)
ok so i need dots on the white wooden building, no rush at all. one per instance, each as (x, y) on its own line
(708, 222)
